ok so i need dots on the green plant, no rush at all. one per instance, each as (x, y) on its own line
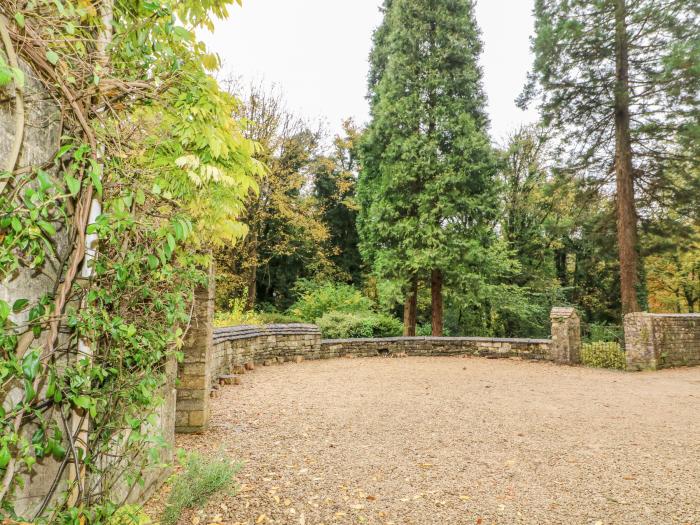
(277, 318)
(603, 355)
(156, 146)
(318, 299)
(200, 479)
(604, 333)
(346, 325)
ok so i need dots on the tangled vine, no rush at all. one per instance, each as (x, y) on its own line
(150, 171)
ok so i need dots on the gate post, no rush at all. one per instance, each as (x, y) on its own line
(194, 372)
(566, 335)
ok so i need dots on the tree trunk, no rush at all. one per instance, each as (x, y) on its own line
(252, 284)
(410, 309)
(626, 212)
(252, 288)
(436, 291)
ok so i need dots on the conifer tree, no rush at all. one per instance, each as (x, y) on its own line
(620, 81)
(427, 186)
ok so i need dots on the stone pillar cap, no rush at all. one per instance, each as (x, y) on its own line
(563, 311)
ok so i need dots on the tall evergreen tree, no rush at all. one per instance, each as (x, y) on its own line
(427, 186)
(620, 81)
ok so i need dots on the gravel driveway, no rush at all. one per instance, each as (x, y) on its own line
(457, 441)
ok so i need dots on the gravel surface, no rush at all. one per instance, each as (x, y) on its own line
(456, 441)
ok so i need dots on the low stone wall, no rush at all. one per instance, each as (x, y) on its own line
(655, 341)
(238, 346)
(438, 346)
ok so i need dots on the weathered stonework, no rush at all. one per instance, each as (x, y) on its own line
(655, 341)
(538, 349)
(566, 336)
(194, 372)
(238, 346)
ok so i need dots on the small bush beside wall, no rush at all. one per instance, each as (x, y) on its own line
(603, 355)
(344, 325)
(316, 301)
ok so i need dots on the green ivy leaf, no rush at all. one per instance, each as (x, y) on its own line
(19, 305)
(29, 393)
(152, 262)
(47, 227)
(31, 364)
(72, 183)
(179, 230)
(19, 18)
(4, 457)
(52, 57)
(82, 401)
(140, 197)
(4, 310)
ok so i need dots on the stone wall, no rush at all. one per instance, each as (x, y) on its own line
(40, 142)
(238, 346)
(655, 341)
(41, 139)
(438, 346)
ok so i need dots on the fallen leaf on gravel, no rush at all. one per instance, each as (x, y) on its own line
(261, 519)
(370, 498)
(465, 498)
(629, 477)
(425, 465)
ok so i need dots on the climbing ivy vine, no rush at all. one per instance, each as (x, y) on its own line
(151, 151)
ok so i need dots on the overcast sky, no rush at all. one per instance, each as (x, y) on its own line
(316, 51)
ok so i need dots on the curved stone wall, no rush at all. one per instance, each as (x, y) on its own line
(236, 347)
(438, 346)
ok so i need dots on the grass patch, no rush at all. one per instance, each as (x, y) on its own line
(200, 479)
(603, 355)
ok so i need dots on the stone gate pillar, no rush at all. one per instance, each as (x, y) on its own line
(566, 335)
(194, 372)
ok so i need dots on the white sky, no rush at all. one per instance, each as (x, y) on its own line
(316, 51)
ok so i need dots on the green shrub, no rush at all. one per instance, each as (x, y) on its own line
(386, 326)
(344, 325)
(604, 333)
(317, 300)
(277, 318)
(201, 478)
(603, 355)
(238, 316)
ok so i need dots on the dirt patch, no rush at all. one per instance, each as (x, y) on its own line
(456, 441)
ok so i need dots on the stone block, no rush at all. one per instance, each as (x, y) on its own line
(197, 419)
